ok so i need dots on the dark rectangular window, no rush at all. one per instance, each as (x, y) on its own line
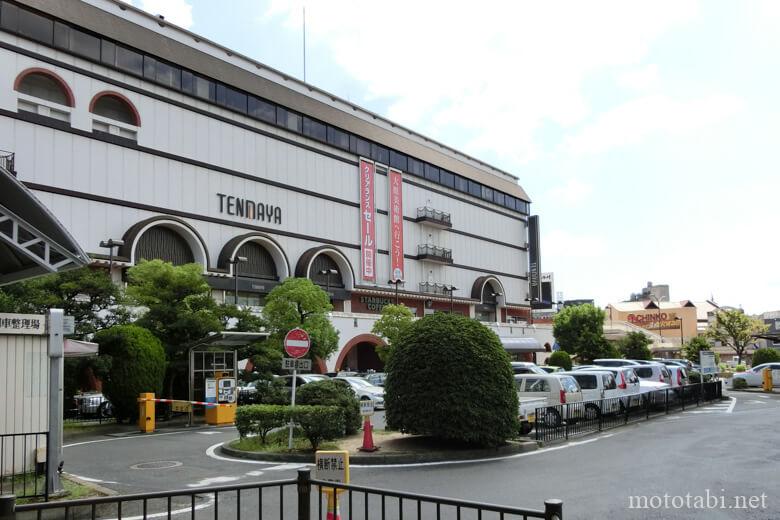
(398, 160)
(35, 27)
(487, 193)
(61, 35)
(498, 198)
(107, 53)
(262, 110)
(170, 76)
(129, 61)
(475, 188)
(431, 172)
(314, 129)
(380, 153)
(150, 68)
(338, 138)
(289, 120)
(461, 184)
(447, 178)
(9, 17)
(84, 44)
(523, 207)
(415, 167)
(359, 146)
(231, 98)
(198, 86)
(509, 202)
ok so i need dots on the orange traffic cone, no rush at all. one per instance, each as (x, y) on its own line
(333, 507)
(368, 438)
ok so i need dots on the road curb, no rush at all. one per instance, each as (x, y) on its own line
(379, 459)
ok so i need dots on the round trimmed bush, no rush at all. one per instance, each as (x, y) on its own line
(450, 378)
(559, 358)
(131, 361)
(330, 393)
(765, 355)
(740, 368)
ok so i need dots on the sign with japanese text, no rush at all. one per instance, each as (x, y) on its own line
(296, 364)
(22, 324)
(396, 190)
(707, 362)
(367, 222)
(366, 407)
(332, 466)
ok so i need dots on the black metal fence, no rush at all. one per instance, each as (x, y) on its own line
(7, 161)
(281, 499)
(575, 419)
(23, 464)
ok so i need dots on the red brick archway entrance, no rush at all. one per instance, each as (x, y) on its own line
(359, 354)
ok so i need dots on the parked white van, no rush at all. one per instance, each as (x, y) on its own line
(557, 389)
(600, 387)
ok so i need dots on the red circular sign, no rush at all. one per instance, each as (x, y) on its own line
(297, 343)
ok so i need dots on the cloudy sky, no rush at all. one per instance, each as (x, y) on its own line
(645, 133)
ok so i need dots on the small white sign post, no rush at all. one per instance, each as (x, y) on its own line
(366, 407)
(296, 345)
(707, 362)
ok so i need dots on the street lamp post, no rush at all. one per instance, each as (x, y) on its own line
(235, 261)
(497, 295)
(677, 318)
(452, 290)
(396, 282)
(327, 273)
(111, 244)
(658, 302)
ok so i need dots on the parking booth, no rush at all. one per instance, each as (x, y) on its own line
(213, 375)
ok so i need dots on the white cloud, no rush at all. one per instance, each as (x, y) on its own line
(178, 12)
(640, 78)
(570, 193)
(497, 72)
(637, 119)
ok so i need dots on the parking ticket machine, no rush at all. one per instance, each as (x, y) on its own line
(225, 411)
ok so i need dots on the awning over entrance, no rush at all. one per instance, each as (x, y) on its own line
(32, 240)
(522, 345)
(76, 348)
(228, 339)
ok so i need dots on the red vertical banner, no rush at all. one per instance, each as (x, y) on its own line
(396, 191)
(367, 222)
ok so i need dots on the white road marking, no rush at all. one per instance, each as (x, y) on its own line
(208, 503)
(755, 401)
(213, 480)
(210, 452)
(139, 436)
(732, 405)
(207, 433)
(289, 466)
(255, 473)
(95, 480)
(763, 396)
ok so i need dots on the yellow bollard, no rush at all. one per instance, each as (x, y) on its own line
(146, 412)
(767, 379)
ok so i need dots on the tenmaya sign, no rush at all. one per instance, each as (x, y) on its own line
(297, 343)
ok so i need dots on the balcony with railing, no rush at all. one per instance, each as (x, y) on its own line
(433, 217)
(435, 288)
(436, 254)
(7, 161)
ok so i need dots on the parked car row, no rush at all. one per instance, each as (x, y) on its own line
(362, 387)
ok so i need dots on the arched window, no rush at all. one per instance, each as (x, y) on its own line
(325, 271)
(259, 262)
(115, 106)
(166, 244)
(44, 85)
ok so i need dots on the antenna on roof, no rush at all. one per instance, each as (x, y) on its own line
(304, 44)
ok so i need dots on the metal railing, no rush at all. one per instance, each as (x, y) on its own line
(563, 421)
(7, 161)
(437, 252)
(20, 472)
(435, 288)
(280, 499)
(435, 215)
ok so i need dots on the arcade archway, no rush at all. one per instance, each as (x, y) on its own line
(359, 354)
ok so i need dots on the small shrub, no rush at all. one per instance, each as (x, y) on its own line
(765, 355)
(331, 393)
(318, 423)
(260, 419)
(738, 384)
(561, 359)
(271, 391)
(739, 368)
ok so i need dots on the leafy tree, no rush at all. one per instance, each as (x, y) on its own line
(735, 329)
(561, 359)
(635, 345)
(449, 377)
(394, 321)
(131, 361)
(765, 355)
(298, 302)
(579, 330)
(692, 348)
(86, 294)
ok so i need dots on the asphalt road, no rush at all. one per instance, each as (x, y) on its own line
(716, 452)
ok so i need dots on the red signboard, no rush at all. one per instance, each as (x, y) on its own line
(297, 343)
(396, 190)
(367, 222)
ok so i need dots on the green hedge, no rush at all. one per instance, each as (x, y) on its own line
(738, 383)
(317, 422)
(765, 355)
(559, 358)
(331, 393)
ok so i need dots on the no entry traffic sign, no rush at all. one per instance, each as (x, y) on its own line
(297, 343)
